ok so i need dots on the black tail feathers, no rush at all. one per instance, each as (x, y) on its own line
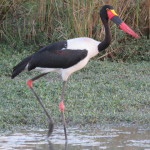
(21, 66)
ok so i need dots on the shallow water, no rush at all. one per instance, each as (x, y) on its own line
(109, 138)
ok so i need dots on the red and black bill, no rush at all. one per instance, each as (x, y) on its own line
(112, 15)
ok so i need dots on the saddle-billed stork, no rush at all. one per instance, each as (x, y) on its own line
(68, 56)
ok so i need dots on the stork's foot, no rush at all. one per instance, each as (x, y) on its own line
(62, 109)
(51, 122)
(50, 129)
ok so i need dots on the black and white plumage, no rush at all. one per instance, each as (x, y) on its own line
(68, 56)
(64, 57)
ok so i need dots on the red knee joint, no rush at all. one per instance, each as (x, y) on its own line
(29, 83)
(61, 106)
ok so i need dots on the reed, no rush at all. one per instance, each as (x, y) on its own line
(42, 21)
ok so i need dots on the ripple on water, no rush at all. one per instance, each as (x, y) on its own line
(93, 139)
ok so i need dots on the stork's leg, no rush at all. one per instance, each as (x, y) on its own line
(62, 108)
(51, 122)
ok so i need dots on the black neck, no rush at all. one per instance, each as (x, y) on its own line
(106, 42)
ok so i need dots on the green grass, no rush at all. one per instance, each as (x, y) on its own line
(103, 92)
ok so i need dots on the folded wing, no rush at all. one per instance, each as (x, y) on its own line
(56, 59)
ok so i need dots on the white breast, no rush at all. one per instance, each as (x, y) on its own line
(81, 43)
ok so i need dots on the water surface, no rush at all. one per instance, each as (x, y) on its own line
(109, 138)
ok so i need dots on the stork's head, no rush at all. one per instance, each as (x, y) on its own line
(108, 12)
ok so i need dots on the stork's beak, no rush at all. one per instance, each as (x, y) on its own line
(112, 15)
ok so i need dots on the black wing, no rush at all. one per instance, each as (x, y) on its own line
(57, 58)
(59, 45)
(34, 57)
